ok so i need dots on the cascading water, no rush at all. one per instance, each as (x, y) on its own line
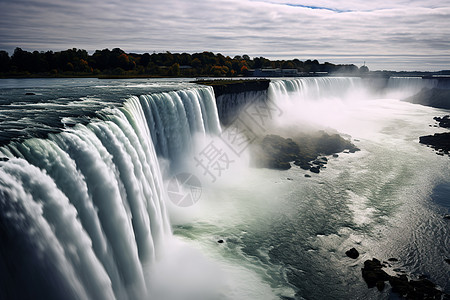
(173, 119)
(83, 211)
(403, 87)
(313, 88)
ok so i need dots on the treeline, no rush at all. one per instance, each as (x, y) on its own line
(115, 62)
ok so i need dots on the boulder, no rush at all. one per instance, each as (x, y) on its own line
(373, 273)
(439, 141)
(392, 259)
(352, 253)
(399, 284)
(315, 170)
(444, 121)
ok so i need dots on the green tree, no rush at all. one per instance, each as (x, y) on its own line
(174, 70)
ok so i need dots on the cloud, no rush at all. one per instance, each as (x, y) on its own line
(378, 32)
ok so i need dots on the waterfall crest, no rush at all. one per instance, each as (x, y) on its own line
(312, 88)
(82, 212)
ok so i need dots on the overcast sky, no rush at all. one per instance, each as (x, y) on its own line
(395, 35)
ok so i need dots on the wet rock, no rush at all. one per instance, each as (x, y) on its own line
(352, 253)
(302, 164)
(392, 259)
(380, 285)
(444, 121)
(439, 141)
(276, 152)
(373, 273)
(422, 288)
(399, 284)
(315, 170)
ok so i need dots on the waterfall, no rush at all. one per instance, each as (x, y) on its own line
(312, 88)
(173, 118)
(403, 87)
(316, 88)
(82, 212)
(229, 105)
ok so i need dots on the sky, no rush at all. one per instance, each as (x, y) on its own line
(386, 35)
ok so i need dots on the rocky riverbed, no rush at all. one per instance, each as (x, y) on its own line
(305, 150)
(439, 141)
(376, 274)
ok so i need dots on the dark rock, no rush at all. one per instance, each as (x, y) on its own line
(335, 155)
(352, 253)
(380, 285)
(315, 170)
(220, 241)
(236, 86)
(447, 217)
(302, 164)
(444, 121)
(447, 260)
(373, 273)
(392, 259)
(410, 289)
(289, 178)
(4, 158)
(319, 162)
(307, 175)
(30, 94)
(277, 152)
(399, 284)
(439, 141)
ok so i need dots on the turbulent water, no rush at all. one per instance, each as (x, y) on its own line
(87, 209)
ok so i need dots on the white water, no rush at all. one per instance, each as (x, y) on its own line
(84, 212)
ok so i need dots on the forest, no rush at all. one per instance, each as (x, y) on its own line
(116, 63)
